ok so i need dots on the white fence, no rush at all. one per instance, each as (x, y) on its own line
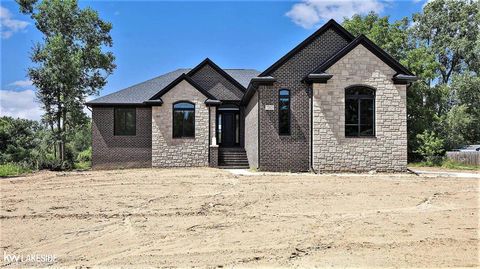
(466, 157)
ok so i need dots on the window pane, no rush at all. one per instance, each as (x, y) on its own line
(219, 128)
(124, 121)
(177, 123)
(284, 112)
(184, 105)
(351, 111)
(237, 128)
(188, 124)
(366, 130)
(130, 122)
(366, 113)
(351, 130)
(284, 93)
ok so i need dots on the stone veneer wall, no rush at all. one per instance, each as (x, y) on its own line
(179, 152)
(251, 131)
(110, 151)
(332, 151)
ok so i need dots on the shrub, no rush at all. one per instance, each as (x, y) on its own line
(11, 169)
(430, 147)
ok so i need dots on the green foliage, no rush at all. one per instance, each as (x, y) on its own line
(441, 45)
(392, 37)
(85, 156)
(447, 164)
(430, 147)
(28, 144)
(450, 29)
(69, 65)
(11, 169)
(18, 140)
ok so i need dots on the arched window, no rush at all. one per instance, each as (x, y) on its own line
(284, 112)
(183, 119)
(359, 111)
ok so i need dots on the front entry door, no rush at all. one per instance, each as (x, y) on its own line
(228, 128)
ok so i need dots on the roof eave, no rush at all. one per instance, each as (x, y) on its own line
(317, 78)
(252, 87)
(404, 79)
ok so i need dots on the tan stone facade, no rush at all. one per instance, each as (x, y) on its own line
(180, 152)
(332, 151)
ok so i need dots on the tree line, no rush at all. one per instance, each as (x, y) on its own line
(441, 45)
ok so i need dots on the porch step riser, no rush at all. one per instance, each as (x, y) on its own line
(233, 158)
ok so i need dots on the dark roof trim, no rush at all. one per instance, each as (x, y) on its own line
(404, 79)
(252, 87)
(363, 40)
(219, 70)
(263, 80)
(158, 102)
(330, 24)
(318, 78)
(213, 102)
(178, 80)
(113, 104)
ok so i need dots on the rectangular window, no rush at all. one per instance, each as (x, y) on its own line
(359, 112)
(284, 112)
(125, 122)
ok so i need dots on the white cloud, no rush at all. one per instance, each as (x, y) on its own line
(21, 83)
(9, 25)
(20, 104)
(309, 13)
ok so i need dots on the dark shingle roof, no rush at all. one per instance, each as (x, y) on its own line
(141, 92)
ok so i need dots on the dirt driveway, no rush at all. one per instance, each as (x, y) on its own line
(206, 217)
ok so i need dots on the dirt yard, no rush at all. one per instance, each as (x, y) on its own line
(208, 218)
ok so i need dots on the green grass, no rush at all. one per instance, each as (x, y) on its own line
(82, 165)
(447, 164)
(10, 169)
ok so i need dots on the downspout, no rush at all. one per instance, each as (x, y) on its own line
(311, 129)
(258, 129)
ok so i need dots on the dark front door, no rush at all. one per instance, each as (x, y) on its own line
(228, 128)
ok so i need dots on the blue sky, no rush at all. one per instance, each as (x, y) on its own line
(153, 37)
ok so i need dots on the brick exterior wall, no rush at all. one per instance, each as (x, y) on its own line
(180, 152)
(251, 131)
(291, 153)
(332, 150)
(216, 84)
(110, 151)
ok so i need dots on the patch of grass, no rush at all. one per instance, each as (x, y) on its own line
(82, 165)
(447, 164)
(10, 169)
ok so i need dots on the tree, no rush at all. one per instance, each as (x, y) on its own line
(69, 63)
(18, 138)
(392, 37)
(450, 29)
(431, 147)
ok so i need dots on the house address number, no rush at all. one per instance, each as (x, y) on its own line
(269, 107)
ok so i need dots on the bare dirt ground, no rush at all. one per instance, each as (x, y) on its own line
(208, 218)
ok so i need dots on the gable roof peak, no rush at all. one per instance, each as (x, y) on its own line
(372, 47)
(181, 78)
(330, 24)
(219, 70)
